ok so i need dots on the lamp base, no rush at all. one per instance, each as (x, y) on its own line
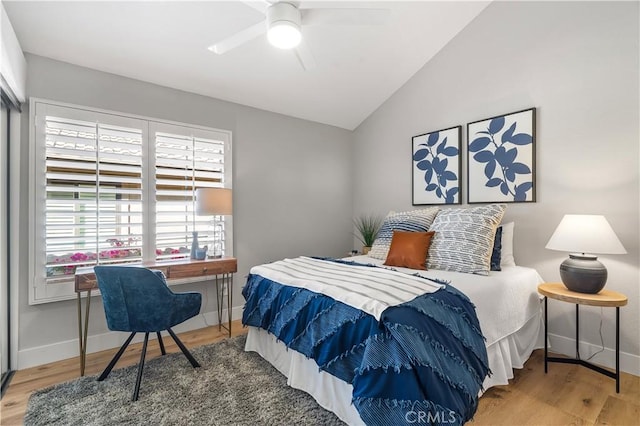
(583, 273)
(216, 249)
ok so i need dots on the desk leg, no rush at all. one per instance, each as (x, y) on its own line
(617, 349)
(546, 350)
(219, 302)
(226, 282)
(80, 334)
(82, 331)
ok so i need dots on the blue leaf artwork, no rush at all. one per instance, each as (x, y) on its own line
(501, 158)
(436, 167)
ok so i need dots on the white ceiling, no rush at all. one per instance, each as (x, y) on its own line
(358, 67)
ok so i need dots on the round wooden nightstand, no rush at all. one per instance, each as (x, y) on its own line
(605, 298)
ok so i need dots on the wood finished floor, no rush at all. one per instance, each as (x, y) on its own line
(567, 395)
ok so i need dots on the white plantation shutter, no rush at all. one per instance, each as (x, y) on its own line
(185, 159)
(108, 188)
(93, 194)
(174, 194)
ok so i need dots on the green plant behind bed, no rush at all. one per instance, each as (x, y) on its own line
(368, 227)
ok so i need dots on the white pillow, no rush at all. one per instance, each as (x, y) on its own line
(506, 253)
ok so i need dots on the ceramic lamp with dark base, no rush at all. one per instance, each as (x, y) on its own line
(583, 273)
(584, 233)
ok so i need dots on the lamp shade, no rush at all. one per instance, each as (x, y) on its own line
(213, 201)
(581, 233)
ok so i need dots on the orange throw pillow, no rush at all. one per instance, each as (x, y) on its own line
(409, 249)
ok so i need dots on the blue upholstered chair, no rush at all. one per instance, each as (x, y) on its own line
(138, 300)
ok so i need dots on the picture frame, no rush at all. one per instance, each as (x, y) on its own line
(435, 167)
(501, 158)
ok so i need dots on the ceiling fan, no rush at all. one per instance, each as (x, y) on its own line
(283, 24)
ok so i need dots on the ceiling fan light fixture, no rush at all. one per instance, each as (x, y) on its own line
(284, 35)
(283, 21)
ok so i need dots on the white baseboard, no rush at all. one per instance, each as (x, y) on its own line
(629, 363)
(45, 354)
(39, 355)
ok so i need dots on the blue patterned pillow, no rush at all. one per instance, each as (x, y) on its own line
(497, 250)
(411, 221)
(463, 241)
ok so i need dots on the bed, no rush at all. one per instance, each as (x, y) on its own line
(378, 344)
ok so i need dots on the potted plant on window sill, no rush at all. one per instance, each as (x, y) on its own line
(367, 227)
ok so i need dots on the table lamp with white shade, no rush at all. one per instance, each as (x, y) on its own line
(214, 202)
(583, 236)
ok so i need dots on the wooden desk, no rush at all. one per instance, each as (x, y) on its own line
(605, 298)
(221, 270)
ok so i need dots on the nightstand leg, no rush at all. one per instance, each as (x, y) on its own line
(229, 299)
(545, 335)
(617, 349)
(577, 331)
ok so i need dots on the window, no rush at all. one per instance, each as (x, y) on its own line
(184, 160)
(110, 188)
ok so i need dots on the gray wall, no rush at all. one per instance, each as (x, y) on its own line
(290, 181)
(578, 63)
(297, 184)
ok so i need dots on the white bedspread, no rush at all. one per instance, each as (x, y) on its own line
(508, 308)
(504, 300)
(371, 290)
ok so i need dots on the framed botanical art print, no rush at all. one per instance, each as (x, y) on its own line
(501, 158)
(436, 167)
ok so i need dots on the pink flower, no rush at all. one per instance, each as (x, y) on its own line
(76, 257)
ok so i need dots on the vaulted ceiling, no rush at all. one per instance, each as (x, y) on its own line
(357, 67)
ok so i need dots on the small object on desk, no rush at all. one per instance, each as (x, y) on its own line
(201, 253)
(194, 245)
(606, 298)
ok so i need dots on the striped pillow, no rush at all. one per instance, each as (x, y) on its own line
(411, 221)
(463, 241)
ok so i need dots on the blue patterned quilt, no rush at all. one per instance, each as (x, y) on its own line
(423, 362)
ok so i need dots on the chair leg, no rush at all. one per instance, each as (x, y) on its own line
(115, 359)
(184, 350)
(136, 390)
(161, 343)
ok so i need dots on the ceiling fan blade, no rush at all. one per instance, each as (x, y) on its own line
(239, 38)
(259, 5)
(305, 56)
(345, 16)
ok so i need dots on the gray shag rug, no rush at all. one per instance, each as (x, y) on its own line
(233, 387)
